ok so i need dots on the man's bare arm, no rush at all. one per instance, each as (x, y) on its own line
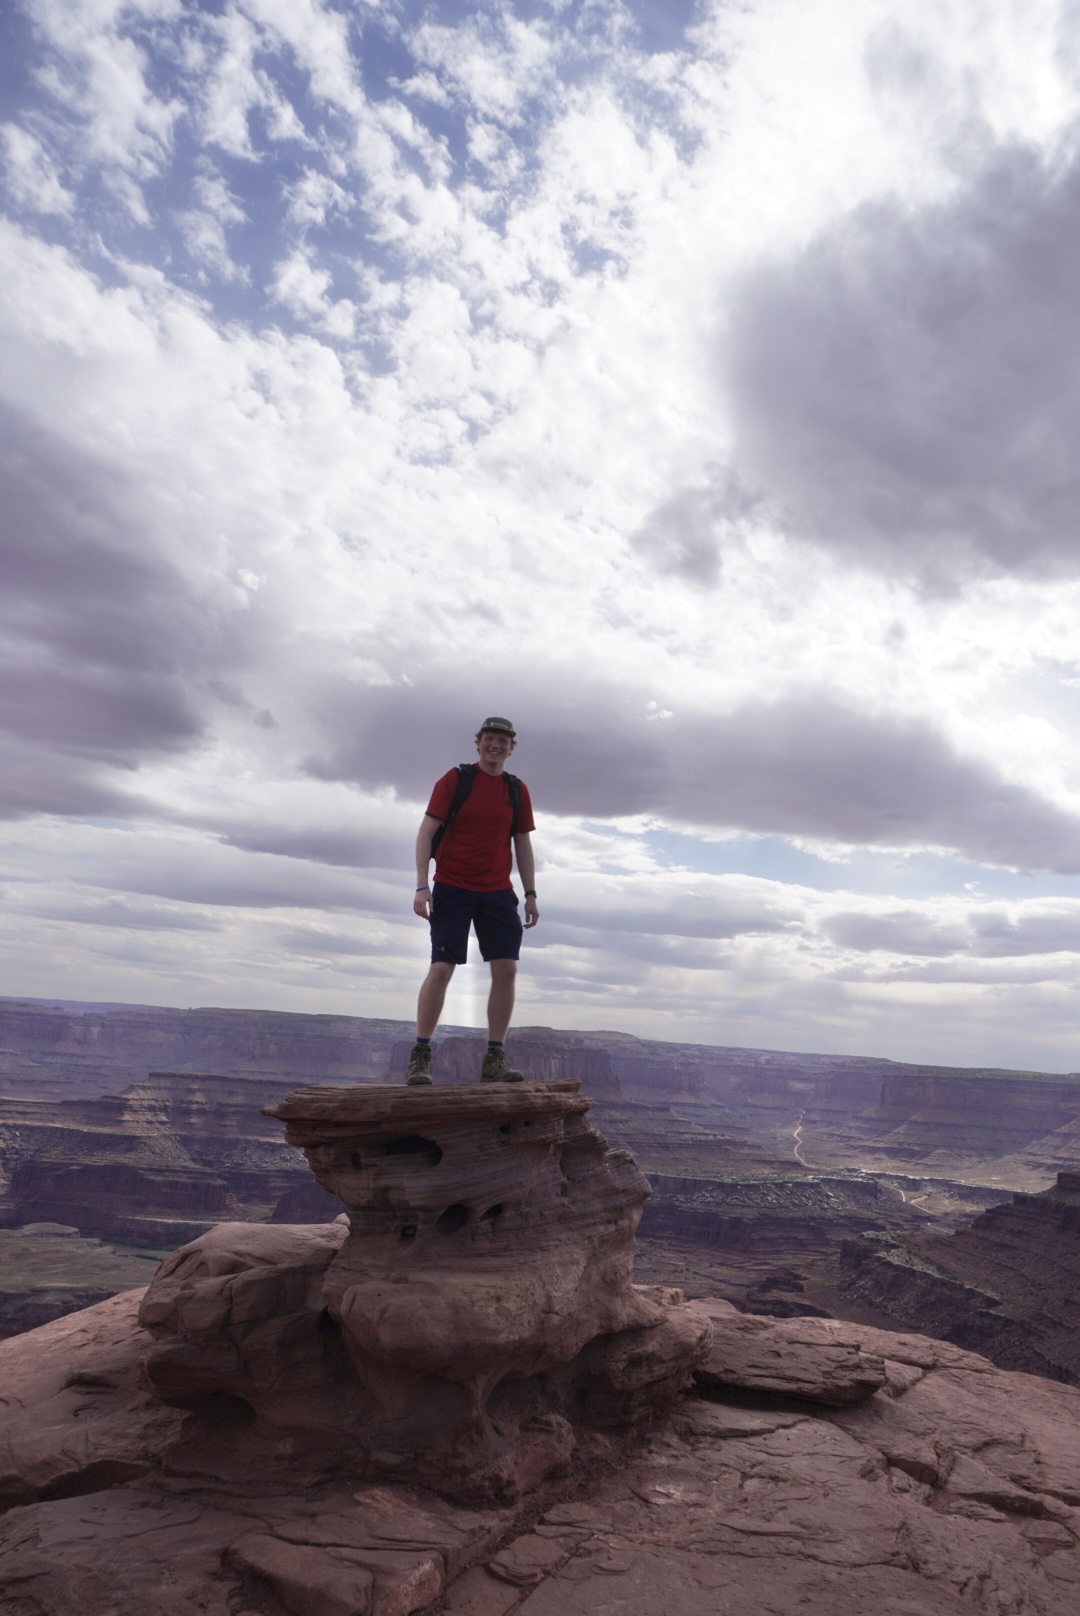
(526, 864)
(422, 898)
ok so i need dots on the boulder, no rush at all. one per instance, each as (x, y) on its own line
(819, 1360)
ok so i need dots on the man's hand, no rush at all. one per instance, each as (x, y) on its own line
(421, 903)
(532, 913)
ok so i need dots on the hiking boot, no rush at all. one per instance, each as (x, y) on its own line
(497, 1069)
(419, 1067)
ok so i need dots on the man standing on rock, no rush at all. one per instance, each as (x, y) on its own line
(478, 817)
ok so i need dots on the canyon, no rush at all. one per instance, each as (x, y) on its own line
(1007, 1284)
(790, 1184)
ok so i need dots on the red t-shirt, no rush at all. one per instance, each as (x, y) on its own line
(475, 852)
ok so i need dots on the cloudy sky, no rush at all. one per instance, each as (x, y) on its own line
(696, 383)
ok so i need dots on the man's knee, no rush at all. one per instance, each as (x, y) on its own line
(503, 970)
(441, 971)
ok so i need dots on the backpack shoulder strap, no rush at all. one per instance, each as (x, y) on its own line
(466, 774)
(514, 787)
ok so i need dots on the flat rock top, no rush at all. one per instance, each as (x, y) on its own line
(395, 1105)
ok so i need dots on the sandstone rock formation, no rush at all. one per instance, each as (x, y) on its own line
(822, 1360)
(954, 1490)
(733, 1211)
(476, 1307)
(180, 1151)
(977, 1125)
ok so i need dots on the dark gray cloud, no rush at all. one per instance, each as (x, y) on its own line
(906, 389)
(36, 781)
(119, 911)
(806, 766)
(96, 631)
(982, 933)
(319, 942)
(683, 536)
(900, 931)
(210, 873)
(1000, 935)
(352, 848)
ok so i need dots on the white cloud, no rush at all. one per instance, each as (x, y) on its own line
(305, 290)
(205, 225)
(31, 174)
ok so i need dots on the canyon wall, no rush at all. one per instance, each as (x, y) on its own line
(1007, 1284)
(156, 1166)
(1001, 1129)
(64, 1052)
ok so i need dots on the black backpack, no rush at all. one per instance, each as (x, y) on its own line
(467, 773)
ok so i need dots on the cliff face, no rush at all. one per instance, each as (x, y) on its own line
(156, 1166)
(1008, 1284)
(971, 1125)
(48, 1053)
(977, 1126)
(962, 1118)
(996, 1129)
(771, 1220)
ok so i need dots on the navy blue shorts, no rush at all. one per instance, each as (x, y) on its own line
(494, 914)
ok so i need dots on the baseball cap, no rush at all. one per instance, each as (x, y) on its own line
(502, 725)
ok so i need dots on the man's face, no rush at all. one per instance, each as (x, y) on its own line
(494, 747)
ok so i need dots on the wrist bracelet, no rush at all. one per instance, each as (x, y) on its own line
(423, 889)
(531, 893)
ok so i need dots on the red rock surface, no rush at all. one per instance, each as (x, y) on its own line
(475, 1310)
(820, 1360)
(952, 1491)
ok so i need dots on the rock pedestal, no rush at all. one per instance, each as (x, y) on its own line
(473, 1315)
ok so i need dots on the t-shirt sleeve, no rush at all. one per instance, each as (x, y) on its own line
(525, 813)
(442, 798)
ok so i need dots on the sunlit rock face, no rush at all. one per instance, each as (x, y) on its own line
(473, 1318)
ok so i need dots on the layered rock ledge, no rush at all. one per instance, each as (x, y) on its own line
(466, 1320)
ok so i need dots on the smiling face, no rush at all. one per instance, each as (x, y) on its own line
(493, 748)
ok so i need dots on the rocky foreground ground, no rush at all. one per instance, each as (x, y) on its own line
(249, 1434)
(952, 1487)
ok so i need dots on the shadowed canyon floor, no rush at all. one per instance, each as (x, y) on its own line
(47, 1270)
(245, 1437)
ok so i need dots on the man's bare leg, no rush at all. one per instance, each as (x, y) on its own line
(501, 998)
(429, 1006)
